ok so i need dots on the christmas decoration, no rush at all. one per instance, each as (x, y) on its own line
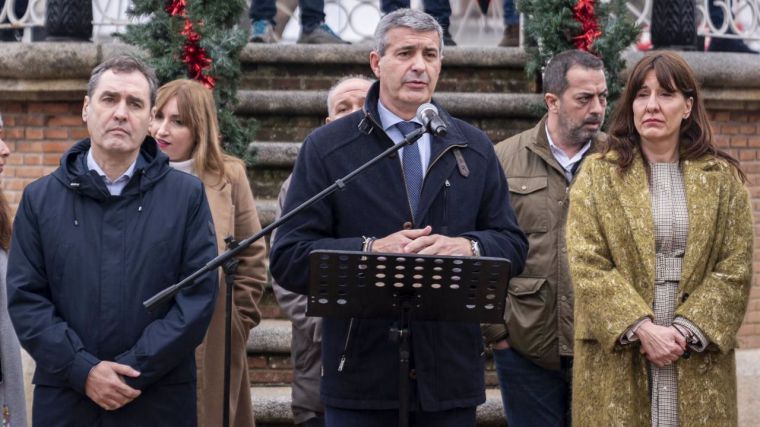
(199, 40)
(192, 54)
(583, 12)
(600, 27)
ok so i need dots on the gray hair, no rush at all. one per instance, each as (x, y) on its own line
(555, 75)
(415, 20)
(1, 120)
(124, 64)
(331, 92)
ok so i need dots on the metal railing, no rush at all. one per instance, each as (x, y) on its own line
(21, 15)
(355, 20)
(736, 19)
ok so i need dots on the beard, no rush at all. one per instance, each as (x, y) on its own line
(580, 135)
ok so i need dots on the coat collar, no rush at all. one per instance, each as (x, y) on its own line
(540, 145)
(435, 177)
(702, 207)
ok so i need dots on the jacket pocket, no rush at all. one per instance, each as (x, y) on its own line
(529, 197)
(530, 318)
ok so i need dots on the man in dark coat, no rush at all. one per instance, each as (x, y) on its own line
(113, 225)
(461, 207)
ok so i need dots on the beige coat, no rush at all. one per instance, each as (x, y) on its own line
(234, 212)
(610, 239)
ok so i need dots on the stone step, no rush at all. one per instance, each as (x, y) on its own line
(314, 102)
(309, 67)
(291, 115)
(274, 154)
(267, 210)
(270, 336)
(271, 406)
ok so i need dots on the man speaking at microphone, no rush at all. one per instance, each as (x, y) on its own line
(444, 195)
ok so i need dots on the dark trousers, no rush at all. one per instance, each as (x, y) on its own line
(312, 12)
(438, 9)
(511, 16)
(339, 417)
(534, 396)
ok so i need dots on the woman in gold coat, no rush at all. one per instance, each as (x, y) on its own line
(659, 237)
(185, 127)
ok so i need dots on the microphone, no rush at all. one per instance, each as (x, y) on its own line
(428, 115)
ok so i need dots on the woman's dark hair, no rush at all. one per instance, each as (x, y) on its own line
(675, 75)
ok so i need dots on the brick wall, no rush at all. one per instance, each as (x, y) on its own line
(39, 132)
(736, 127)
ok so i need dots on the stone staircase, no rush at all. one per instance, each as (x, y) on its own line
(284, 88)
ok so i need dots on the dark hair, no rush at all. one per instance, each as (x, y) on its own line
(124, 64)
(675, 75)
(555, 75)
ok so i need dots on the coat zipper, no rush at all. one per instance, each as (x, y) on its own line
(343, 356)
(430, 165)
(446, 186)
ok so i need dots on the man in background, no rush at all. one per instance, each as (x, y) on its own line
(533, 348)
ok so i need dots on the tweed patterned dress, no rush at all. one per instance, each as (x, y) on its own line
(671, 225)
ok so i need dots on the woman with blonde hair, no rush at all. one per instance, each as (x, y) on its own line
(659, 238)
(185, 126)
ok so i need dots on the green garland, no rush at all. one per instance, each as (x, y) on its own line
(215, 25)
(553, 24)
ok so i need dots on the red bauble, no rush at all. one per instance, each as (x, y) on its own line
(176, 7)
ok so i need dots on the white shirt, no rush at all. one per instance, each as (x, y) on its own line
(564, 161)
(388, 120)
(116, 186)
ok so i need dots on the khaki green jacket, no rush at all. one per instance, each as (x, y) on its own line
(538, 318)
(611, 245)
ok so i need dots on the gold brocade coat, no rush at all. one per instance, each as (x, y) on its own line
(611, 248)
(234, 212)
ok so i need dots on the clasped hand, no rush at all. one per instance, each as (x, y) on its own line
(106, 387)
(660, 344)
(420, 241)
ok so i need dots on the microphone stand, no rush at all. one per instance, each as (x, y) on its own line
(235, 248)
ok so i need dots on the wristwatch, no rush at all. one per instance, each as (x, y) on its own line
(475, 247)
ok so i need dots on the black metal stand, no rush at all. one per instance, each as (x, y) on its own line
(404, 288)
(230, 269)
(402, 336)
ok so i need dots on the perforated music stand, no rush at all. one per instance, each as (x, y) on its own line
(409, 287)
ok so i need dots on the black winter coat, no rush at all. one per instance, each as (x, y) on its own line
(447, 356)
(81, 264)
